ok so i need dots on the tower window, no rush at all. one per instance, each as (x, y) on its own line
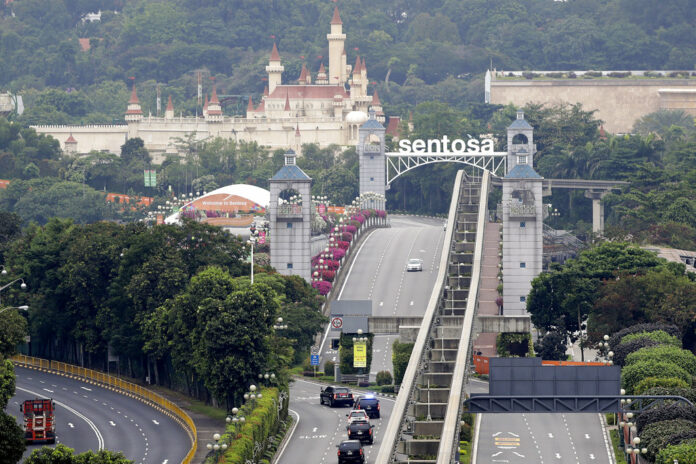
(522, 159)
(372, 179)
(372, 157)
(523, 299)
(523, 224)
(523, 265)
(289, 225)
(289, 265)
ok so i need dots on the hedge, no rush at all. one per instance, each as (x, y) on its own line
(649, 383)
(663, 413)
(634, 373)
(401, 353)
(262, 423)
(688, 393)
(683, 453)
(615, 339)
(655, 436)
(682, 358)
(624, 349)
(660, 336)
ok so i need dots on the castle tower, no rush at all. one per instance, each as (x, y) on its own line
(169, 112)
(134, 114)
(305, 76)
(356, 82)
(336, 40)
(371, 157)
(274, 69)
(71, 145)
(377, 107)
(290, 221)
(363, 76)
(322, 78)
(345, 72)
(214, 114)
(205, 106)
(522, 219)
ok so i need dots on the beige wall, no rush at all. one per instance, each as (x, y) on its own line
(620, 102)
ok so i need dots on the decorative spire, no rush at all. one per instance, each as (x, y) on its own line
(287, 101)
(363, 68)
(170, 105)
(134, 96)
(71, 139)
(275, 56)
(356, 68)
(303, 74)
(250, 106)
(297, 130)
(214, 97)
(205, 105)
(265, 91)
(322, 69)
(336, 17)
(375, 99)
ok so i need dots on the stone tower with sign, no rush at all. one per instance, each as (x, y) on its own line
(290, 222)
(522, 218)
(372, 158)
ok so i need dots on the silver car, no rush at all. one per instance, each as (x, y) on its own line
(414, 264)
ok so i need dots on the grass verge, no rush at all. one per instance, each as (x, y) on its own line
(618, 452)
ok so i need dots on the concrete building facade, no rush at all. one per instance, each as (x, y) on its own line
(619, 102)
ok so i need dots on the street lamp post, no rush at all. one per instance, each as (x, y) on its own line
(23, 286)
(23, 308)
(216, 446)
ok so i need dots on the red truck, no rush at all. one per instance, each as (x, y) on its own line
(39, 421)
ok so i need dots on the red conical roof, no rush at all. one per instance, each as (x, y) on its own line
(356, 68)
(287, 101)
(205, 105)
(134, 96)
(375, 99)
(297, 130)
(250, 106)
(213, 97)
(265, 91)
(261, 107)
(336, 17)
(170, 106)
(71, 139)
(303, 74)
(322, 69)
(275, 56)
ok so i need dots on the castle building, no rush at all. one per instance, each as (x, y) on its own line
(324, 109)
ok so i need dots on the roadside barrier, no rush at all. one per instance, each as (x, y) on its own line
(120, 386)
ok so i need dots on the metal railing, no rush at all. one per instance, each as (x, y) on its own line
(120, 385)
(392, 432)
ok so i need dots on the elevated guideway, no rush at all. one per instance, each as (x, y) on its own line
(424, 424)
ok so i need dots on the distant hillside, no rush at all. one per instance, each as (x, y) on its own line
(416, 50)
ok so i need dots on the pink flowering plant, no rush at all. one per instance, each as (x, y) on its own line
(322, 286)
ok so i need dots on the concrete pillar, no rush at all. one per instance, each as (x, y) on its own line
(597, 209)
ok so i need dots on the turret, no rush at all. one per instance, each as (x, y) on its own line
(250, 108)
(274, 69)
(134, 112)
(322, 78)
(71, 145)
(214, 114)
(169, 112)
(305, 76)
(356, 82)
(205, 106)
(336, 45)
(377, 108)
(363, 76)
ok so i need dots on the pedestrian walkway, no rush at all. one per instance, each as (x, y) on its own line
(485, 342)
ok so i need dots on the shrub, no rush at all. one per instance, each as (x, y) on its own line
(682, 358)
(328, 275)
(619, 74)
(688, 393)
(654, 436)
(322, 286)
(468, 418)
(660, 336)
(350, 229)
(465, 432)
(631, 375)
(652, 382)
(343, 245)
(387, 388)
(554, 75)
(616, 338)
(338, 254)
(346, 236)
(511, 344)
(572, 75)
(683, 453)
(664, 413)
(624, 349)
(594, 73)
(384, 378)
(329, 368)
(401, 353)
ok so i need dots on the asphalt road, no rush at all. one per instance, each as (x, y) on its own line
(90, 418)
(320, 428)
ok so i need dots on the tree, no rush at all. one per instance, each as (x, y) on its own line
(12, 332)
(61, 454)
(7, 382)
(552, 346)
(12, 444)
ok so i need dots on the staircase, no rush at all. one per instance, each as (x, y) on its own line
(424, 423)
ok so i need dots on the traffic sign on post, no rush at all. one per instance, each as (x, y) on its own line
(336, 322)
(314, 360)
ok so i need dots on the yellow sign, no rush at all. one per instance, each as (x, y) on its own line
(360, 354)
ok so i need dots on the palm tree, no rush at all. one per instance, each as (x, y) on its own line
(660, 122)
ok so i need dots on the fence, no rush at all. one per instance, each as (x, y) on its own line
(119, 385)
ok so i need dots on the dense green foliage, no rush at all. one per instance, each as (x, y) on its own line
(671, 412)
(12, 444)
(346, 354)
(655, 436)
(649, 383)
(12, 331)
(658, 336)
(616, 338)
(61, 454)
(511, 344)
(552, 346)
(683, 453)
(401, 354)
(683, 358)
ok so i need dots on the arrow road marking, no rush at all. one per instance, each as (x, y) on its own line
(496, 454)
(156, 423)
(587, 436)
(381, 303)
(165, 461)
(513, 434)
(314, 429)
(70, 424)
(49, 391)
(111, 423)
(550, 435)
(520, 455)
(558, 455)
(85, 388)
(497, 433)
(592, 456)
(411, 304)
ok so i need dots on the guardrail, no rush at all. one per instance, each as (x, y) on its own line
(118, 385)
(393, 429)
(448, 444)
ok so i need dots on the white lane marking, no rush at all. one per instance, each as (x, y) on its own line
(165, 461)
(592, 456)
(111, 423)
(514, 434)
(496, 454)
(100, 438)
(70, 424)
(497, 433)
(381, 303)
(411, 304)
(156, 423)
(550, 435)
(558, 455)
(294, 427)
(85, 388)
(518, 454)
(587, 436)
(41, 381)
(314, 429)
(49, 391)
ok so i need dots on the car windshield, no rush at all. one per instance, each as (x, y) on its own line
(413, 261)
(349, 445)
(341, 390)
(357, 413)
(368, 402)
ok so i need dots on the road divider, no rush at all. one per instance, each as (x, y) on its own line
(120, 386)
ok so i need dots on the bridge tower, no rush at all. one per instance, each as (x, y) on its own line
(290, 223)
(371, 157)
(522, 218)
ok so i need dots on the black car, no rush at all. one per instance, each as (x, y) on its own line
(336, 396)
(369, 404)
(361, 430)
(351, 451)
